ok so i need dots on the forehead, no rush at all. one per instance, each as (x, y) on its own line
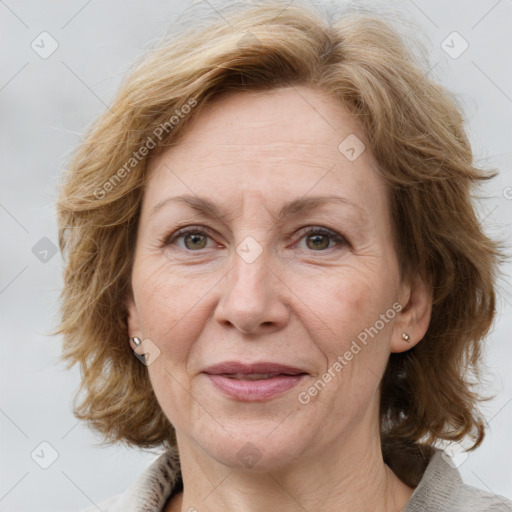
(300, 116)
(282, 143)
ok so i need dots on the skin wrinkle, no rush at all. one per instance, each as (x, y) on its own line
(296, 306)
(351, 229)
(292, 209)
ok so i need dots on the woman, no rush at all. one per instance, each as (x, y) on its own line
(275, 217)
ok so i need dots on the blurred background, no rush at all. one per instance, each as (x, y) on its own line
(61, 64)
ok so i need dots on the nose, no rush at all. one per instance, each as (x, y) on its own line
(254, 298)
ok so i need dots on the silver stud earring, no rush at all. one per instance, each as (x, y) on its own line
(406, 337)
(136, 341)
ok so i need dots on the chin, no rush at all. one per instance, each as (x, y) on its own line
(254, 448)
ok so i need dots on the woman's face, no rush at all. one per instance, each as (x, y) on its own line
(250, 285)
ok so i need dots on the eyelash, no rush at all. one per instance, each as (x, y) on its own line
(199, 230)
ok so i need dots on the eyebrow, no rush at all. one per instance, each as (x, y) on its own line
(290, 209)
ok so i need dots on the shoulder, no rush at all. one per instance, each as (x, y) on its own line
(441, 488)
(477, 500)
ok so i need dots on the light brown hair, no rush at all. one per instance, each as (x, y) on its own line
(415, 131)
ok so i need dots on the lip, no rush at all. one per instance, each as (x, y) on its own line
(230, 367)
(254, 390)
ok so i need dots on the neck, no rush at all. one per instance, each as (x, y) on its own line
(349, 476)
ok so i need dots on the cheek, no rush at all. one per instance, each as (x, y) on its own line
(168, 307)
(348, 307)
(169, 310)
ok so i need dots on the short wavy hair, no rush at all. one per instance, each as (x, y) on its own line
(415, 130)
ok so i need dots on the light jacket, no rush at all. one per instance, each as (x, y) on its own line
(440, 489)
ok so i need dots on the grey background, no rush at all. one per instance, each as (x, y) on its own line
(46, 104)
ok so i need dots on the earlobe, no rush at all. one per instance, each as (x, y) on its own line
(414, 317)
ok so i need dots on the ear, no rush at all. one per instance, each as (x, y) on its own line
(132, 321)
(414, 318)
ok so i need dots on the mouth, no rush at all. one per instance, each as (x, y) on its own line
(256, 376)
(264, 369)
(256, 382)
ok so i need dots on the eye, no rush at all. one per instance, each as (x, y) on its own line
(195, 238)
(317, 238)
